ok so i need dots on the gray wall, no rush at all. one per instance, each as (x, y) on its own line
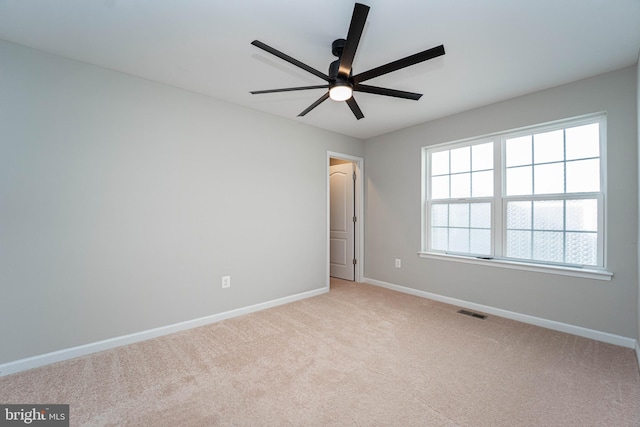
(392, 211)
(123, 202)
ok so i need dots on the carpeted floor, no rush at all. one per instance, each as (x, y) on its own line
(357, 356)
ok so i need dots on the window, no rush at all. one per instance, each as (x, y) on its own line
(533, 195)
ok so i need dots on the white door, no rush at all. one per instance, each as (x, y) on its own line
(342, 211)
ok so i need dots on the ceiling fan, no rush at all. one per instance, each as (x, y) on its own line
(340, 82)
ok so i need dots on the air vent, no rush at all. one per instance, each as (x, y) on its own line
(472, 314)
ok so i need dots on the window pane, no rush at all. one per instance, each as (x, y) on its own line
(519, 181)
(459, 240)
(440, 215)
(582, 215)
(440, 187)
(548, 147)
(450, 228)
(519, 215)
(583, 141)
(460, 185)
(548, 246)
(481, 215)
(583, 176)
(518, 151)
(548, 215)
(549, 179)
(440, 163)
(480, 242)
(459, 215)
(439, 239)
(482, 156)
(519, 244)
(460, 160)
(482, 184)
(582, 248)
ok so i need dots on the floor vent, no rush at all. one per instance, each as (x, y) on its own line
(472, 314)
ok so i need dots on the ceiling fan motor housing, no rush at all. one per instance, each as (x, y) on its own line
(336, 49)
(333, 69)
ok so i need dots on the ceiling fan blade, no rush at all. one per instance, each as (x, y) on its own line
(315, 104)
(400, 63)
(387, 92)
(351, 102)
(358, 19)
(288, 89)
(290, 60)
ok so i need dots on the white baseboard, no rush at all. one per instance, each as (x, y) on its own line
(524, 318)
(83, 350)
(638, 352)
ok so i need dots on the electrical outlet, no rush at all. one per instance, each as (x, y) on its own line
(226, 282)
(398, 263)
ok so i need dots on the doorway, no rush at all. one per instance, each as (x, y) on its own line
(344, 217)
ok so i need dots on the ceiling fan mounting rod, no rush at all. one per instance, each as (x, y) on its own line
(337, 47)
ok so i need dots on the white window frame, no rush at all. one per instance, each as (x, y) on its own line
(500, 199)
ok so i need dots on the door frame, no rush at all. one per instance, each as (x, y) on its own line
(359, 211)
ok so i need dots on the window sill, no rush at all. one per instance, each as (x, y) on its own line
(551, 269)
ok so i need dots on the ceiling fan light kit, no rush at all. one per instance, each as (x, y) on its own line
(341, 91)
(340, 82)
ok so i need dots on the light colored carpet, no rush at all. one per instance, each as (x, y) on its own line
(359, 355)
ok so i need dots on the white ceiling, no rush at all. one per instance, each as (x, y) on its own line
(496, 49)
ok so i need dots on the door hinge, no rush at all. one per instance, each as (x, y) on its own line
(354, 176)
(355, 261)
(355, 218)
